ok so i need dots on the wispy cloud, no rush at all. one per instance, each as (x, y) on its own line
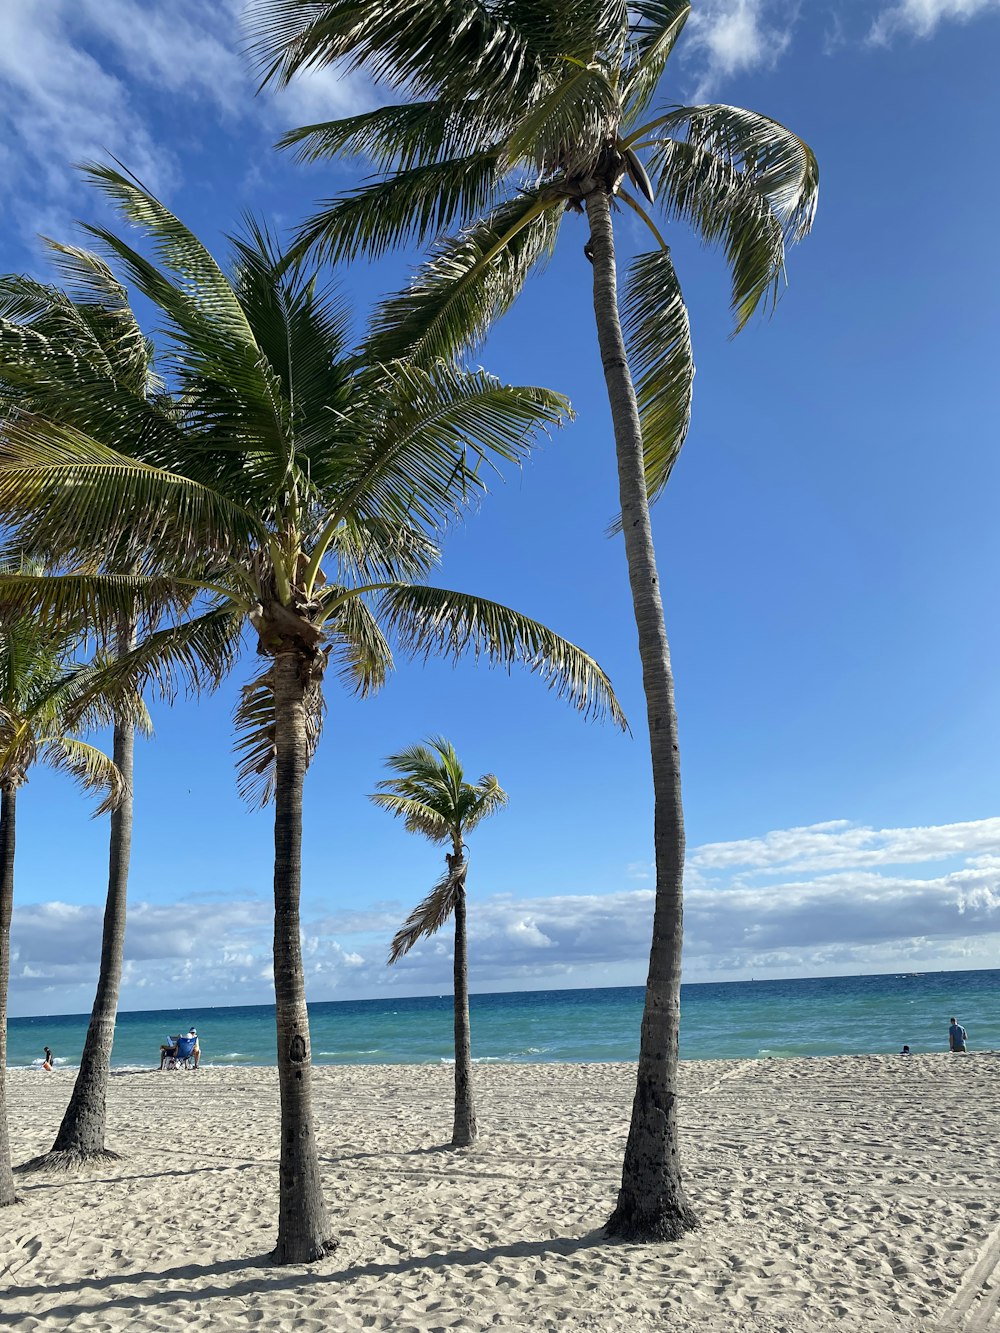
(80, 79)
(728, 37)
(922, 17)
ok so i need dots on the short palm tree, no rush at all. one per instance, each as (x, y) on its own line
(430, 794)
(517, 115)
(297, 492)
(82, 359)
(38, 682)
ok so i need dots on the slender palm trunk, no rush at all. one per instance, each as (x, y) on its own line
(465, 1128)
(651, 1203)
(8, 801)
(301, 1210)
(81, 1135)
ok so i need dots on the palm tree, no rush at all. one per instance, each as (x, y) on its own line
(84, 360)
(518, 114)
(297, 492)
(37, 683)
(430, 794)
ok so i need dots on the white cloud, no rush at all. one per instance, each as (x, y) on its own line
(80, 79)
(838, 843)
(728, 37)
(829, 897)
(922, 17)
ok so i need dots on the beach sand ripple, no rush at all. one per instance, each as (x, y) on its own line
(850, 1193)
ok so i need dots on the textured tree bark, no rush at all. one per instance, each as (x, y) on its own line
(8, 802)
(465, 1129)
(301, 1210)
(81, 1135)
(651, 1203)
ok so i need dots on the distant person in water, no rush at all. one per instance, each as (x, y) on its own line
(905, 1050)
(957, 1036)
(49, 1060)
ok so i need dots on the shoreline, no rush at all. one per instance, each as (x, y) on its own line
(849, 1192)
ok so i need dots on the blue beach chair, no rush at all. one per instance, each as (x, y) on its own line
(180, 1056)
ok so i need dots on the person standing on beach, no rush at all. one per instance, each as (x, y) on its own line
(49, 1061)
(957, 1036)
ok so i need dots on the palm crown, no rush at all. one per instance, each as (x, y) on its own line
(292, 482)
(519, 108)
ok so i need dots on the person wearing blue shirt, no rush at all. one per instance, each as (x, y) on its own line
(957, 1036)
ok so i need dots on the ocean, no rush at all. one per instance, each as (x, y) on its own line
(720, 1020)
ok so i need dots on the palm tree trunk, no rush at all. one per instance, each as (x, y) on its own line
(8, 801)
(651, 1203)
(301, 1210)
(465, 1128)
(81, 1135)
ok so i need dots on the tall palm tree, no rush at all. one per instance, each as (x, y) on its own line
(83, 359)
(430, 794)
(297, 493)
(519, 113)
(38, 680)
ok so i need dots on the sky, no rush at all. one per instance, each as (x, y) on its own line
(828, 549)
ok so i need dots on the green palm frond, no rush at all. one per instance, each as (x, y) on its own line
(89, 767)
(434, 621)
(90, 603)
(431, 914)
(567, 129)
(417, 816)
(82, 496)
(719, 202)
(359, 654)
(490, 800)
(656, 25)
(660, 353)
(468, 282)
(778, 165)
(393, 137)
(255, 747)
(414, 205)
(420, 46)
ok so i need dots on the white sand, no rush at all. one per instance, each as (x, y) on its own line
(851, 1193)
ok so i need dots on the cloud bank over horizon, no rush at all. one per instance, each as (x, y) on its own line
(828, 898)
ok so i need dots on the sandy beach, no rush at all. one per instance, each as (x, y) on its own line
(847, 1193)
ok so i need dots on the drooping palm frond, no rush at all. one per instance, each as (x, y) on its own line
(435, 621)
(719, 202)
(567, 128)
(88, 766)
(417, 815)
(255, 746)
(359, 653)
(431, 914)
(660, 353)
(91, 603)
(779, 166)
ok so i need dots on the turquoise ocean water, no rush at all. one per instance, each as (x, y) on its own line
(727, 1020)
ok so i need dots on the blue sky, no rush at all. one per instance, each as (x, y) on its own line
(828, 549)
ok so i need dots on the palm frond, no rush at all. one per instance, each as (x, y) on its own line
(720, 203)
(468, 282)
(76, 495)
(90, 603)
(430, 621)
(89, 767)
(431, 914)
(567, 128)
(411, 206)
(255, 747)
(417, 815)
(394, 138)
(360, 655)
(660, 353)
(656, 25)
(775, 162)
